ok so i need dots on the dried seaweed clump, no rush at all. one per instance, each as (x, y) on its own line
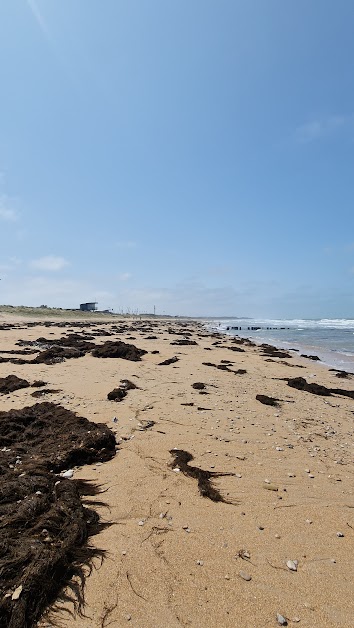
(268, 401)
(44, 525)
(181, 458)
(11, 383)
(118, 349)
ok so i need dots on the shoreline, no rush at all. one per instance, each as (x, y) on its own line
(329, 358)
(176, 556)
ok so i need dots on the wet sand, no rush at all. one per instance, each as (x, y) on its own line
(178, 555)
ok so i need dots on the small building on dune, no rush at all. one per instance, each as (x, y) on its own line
(88, 307)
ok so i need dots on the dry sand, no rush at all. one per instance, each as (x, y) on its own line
(174, 558)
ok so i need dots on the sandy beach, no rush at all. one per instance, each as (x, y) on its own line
(255, 526)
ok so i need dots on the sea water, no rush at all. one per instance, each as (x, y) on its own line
(332, 340)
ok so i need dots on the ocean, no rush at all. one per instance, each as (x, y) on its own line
(332, 340)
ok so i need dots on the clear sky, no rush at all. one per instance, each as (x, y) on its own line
(195, 155)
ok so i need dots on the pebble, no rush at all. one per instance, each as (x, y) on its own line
(245, 576)
(200, 562)
(227, 577)
(279, 449)
(308, 521)
(281, 620)
(292, 565)
(311, 475)
(340, 534)
(238, 475)
(128, 617)
(141, 523)
(270, 487)
(277, 536)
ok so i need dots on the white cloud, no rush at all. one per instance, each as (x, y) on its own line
(37, 14)
(49, 263)
(10, 264)
(124, 276)
(7, 211)
(324, 127)
(7, 214)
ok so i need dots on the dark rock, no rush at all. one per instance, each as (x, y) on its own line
(198, 386)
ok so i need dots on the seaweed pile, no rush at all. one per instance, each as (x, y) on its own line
(11, 383)
(181, 458)
(118, 349)
(318, 389)
(44, 524)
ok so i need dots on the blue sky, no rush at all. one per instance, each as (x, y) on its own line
(193, 155)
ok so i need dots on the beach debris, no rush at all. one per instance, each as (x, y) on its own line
(273, 352)
(244, 575)
(340, 534)
(181, 458)
(281, 620)
(114, 420)
(67, 474)
(38, 383)
(183, 342)
(118, 349)
(11, 383)
(145, 425)
(300, 383)
(268, 401)
(126, 384)
(50, 548)
(45, 391)
(292, 565)
(168, 361)
(117, 394)
(244, 554)
(17, 592)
